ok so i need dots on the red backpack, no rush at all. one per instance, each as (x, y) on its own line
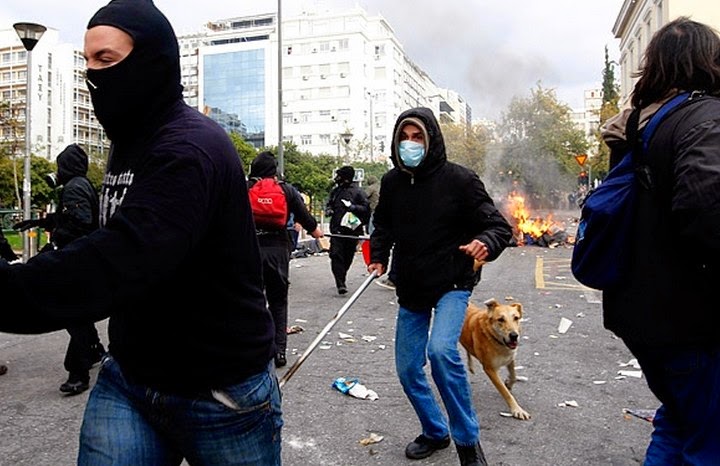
(269, 205)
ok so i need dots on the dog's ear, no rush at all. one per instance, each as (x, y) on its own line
(519, 308)
(491, 304)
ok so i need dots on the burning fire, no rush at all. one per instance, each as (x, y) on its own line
(524, 223)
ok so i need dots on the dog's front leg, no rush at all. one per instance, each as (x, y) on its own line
(515, 409)
(512, 377)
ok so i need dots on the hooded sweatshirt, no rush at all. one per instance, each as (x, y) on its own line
(175, 263)
(427, 213)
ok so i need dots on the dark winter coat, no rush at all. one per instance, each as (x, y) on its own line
(77, 210)
(359, 206)
(670, 296)
(427, 213)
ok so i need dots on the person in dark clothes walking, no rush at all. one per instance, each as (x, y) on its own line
(76, 216)
(674, 250)
(349, 209)
(175, 265)
(7, 253)
(276, 246)
(438, 219)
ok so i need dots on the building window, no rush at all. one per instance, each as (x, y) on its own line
(305, 140)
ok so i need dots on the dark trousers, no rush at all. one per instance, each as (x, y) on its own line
(276, 260)
(342, 252)
(83, 351)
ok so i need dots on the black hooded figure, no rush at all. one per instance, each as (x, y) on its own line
(76, 216)
(175, 265)
(349, 210)
(275, 248)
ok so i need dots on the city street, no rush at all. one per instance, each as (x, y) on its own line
(39, 426)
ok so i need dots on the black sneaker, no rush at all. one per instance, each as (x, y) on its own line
(75, 385)
(342, 289)
(280, 359)
(422, 447)
(471, 456)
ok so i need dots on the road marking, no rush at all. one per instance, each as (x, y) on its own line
(539, 278)
(560, 269)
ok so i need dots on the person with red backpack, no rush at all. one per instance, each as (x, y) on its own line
(273, 202)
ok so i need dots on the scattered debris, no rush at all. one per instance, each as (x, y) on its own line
(599, 382)
(355, 388)
(325, 345)
(346, 337)
(570, 403)
(631, 363)
(564, 325)
(644, 414)
(372, 438)
(301, 321)
(635, 374)
(368, 338)
(521, 378)
(295, 329)
(580, 314)
(504, 414)
(509, 298)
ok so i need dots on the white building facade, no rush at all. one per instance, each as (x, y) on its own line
(345, 76)
(639, 19)
(61, 111)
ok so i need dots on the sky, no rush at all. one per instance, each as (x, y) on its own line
(486, 50)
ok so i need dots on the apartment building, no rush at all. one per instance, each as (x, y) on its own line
(345, 79)
(61, 111)
(638, 20)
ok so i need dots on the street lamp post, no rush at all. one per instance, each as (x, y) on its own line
(372, 142)
(346, 139)
(281, 157)
(30, 34)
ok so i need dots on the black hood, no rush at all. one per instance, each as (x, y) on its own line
(435, 156)
(71, 162)
(133, 95)
(263, 166)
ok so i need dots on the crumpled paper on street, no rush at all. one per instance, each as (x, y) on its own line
(354, 388)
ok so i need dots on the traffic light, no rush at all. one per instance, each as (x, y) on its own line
(583, 179)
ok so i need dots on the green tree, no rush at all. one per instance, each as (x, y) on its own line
(599, 164)
(539, 142)
(245, 150)
(466, 145)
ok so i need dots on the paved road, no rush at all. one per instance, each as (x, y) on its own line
(38, 426)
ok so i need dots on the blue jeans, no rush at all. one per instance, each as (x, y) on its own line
(125, 423)
(419, 338)
(687, 424)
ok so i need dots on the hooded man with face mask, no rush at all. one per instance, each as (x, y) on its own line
(181, 380)
(349, 210)
(437, 218)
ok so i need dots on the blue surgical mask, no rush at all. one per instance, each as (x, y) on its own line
(411, 153)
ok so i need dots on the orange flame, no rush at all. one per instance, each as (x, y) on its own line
(524, 223)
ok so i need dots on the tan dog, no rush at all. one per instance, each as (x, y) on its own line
(491, 335)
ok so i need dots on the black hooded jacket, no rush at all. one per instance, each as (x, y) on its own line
(175, 263)
(427, 213)
(77, 210)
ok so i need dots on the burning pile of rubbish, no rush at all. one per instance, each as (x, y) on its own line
(534, 230)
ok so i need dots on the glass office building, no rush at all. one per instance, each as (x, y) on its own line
(234, 92)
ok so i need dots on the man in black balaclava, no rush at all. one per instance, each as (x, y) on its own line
(76, 215)
(181, 381)
(349, 210)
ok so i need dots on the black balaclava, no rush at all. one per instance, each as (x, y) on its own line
(71, 162)
(345, 175)
(131, 97)
(263, 166)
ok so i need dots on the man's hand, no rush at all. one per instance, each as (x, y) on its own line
(318, 233)
(376, 266)
(475, 249)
